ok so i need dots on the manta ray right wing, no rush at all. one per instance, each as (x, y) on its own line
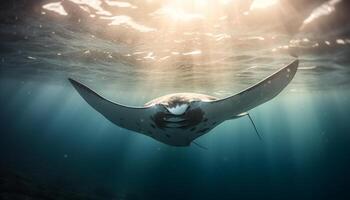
(251, 97)
(132, 118)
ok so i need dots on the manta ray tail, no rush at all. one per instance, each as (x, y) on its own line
(256, 130)
(200, 146)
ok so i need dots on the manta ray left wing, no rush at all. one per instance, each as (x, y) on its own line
(132, 118)
(251, 97)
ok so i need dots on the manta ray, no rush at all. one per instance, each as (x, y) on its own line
(178, 119)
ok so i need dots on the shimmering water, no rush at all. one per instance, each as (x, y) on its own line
(54, 145)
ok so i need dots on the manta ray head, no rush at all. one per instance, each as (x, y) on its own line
(179, 111)
(176, 106)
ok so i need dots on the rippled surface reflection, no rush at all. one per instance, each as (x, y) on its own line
(228, 44)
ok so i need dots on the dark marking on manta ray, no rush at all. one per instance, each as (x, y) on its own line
(138, 125)
(191, 118)
(203, 130)
(153, 126)
(169, 117)
(193, 129)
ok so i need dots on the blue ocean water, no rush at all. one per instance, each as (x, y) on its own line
(55, 146)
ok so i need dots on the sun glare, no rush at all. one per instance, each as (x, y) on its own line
(178, 10)
(259, 4)
(55, 7)
(188, 31)
(177, 13)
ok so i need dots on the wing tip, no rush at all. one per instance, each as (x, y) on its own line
(71, 80)
(82, 89)
(74, 82)
(294, 64)
(77, 85)
(293, 67)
